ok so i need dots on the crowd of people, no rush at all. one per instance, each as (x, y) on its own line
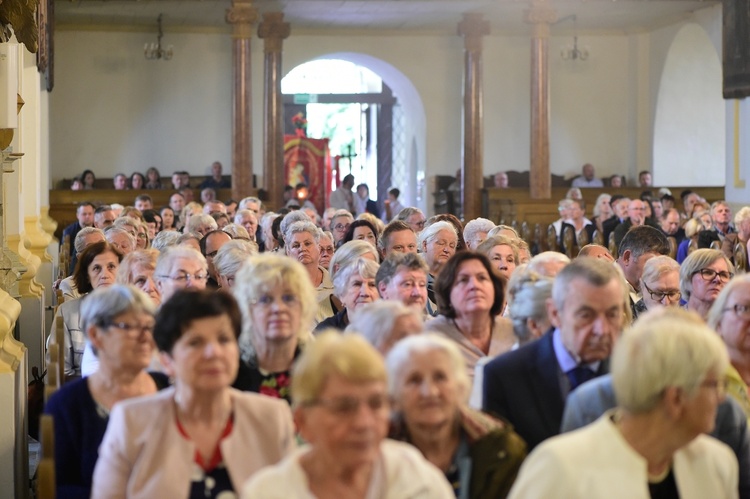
(152, 180)
(219, 350)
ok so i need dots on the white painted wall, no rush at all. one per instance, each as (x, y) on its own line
(112, 110)
(689, 129)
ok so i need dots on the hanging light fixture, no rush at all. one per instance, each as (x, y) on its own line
(154, 50)
(574, 52)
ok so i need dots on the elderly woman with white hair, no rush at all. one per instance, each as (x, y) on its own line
(479, 455)
(703, 275)
(355, 287)
(277, 303)
(548, 263)
(341, 409)
(475, 232)
(384, 322)
(346, 254)
(230, 258)
(302, 243)
(660, 284)
(437, 243)
(121, 239)
(602, 211)
(180, 267)
(667, 375)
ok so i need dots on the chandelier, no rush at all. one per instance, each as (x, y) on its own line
(154, 50)
(574, 53)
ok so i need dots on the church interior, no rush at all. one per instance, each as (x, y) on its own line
(482, 86)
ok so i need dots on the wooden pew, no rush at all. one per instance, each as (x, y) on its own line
(45, 474)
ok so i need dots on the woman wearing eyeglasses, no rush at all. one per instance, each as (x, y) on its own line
(118, 321)
(180, 267)
(660, 284)
(703, 275)
(730, 317)
(277, 302)
(341, 410)
(200, 438)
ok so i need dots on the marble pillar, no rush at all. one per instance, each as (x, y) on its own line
(540, 16)
(472, 28)
(242, 16)
(273, 30)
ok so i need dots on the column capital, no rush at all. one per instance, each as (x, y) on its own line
(473, 27)
(242, 16)
(273, 30)
(541, 15)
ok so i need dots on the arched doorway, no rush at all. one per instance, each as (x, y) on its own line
(377, 104)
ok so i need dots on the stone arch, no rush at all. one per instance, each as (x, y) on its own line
(414, 119)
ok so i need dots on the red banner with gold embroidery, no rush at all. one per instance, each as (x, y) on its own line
(308, 160)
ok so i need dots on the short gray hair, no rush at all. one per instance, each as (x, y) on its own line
(391, 265)
(167, 258)
(400, 357)
(237, 231)
(232, 255)
(716, 313)
(669, 347)
(80, 241)
(113, 231)
(430, 233)
(196, 221)
(528, 293)
(291, 218)
(361, 266)
(592, 270)
(165, 239)
(539, 262)
(298, 227)
(101, 306)
(697, 260)
(347, 253)
(375, 321)
(474, 227)
(245, 201)
(657, 266)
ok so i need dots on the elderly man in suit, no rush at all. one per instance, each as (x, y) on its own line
(529, 386)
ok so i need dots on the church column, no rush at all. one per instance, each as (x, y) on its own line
(273, 30)
(472, 28)
(242, 15)
(541, 15)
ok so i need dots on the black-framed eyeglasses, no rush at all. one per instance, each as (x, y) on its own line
(741, 311)
(673, 295)
(342, 227)
(710, 274)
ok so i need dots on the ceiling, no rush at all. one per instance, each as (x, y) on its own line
(410, 15)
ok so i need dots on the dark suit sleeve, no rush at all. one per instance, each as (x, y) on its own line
(494, 400)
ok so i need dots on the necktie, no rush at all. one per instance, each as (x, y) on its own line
(579, 375)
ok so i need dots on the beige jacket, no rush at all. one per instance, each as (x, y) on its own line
(143, 454)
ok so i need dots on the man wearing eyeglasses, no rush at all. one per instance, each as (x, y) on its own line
(638, 246)
(180, 267)
(340, 222)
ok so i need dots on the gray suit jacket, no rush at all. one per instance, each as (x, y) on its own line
(592, 399)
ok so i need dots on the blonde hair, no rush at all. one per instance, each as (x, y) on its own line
(334, 354)
(258, 275)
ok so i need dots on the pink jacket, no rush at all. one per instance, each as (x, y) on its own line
(144, 455)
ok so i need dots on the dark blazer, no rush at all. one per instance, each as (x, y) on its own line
(71, 230)
(524, 387)
(608, 226)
